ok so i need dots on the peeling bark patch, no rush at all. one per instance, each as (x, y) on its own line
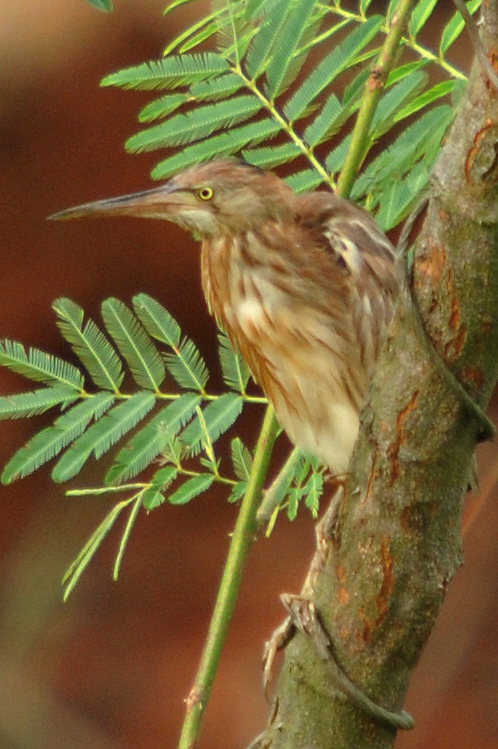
(343, 596)
(371, 479)
(473, 376)
(455, 316)
(436, 269)
(406, 519)
(454, 348)
(493, 58)
(387, 582)
(432, 265)
(481, 163)
(394, 447)
(385, 592)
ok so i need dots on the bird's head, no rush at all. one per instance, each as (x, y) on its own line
(217, 197)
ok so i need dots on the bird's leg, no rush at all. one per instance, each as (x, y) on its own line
(304, 617)
(324, 532)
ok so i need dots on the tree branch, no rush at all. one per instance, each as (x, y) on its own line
(396, 540)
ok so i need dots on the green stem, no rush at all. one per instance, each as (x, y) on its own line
(273, 495)
(287, 127)
(106, 489)
(242, 537)
(373, 91)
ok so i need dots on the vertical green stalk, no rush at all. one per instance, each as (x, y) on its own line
(373, 91)
(245, 529)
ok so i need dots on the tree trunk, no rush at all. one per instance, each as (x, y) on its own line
(397, 542)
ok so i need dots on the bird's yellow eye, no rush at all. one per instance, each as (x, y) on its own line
(206, 193)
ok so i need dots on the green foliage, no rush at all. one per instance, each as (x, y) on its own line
(236, 373)
(36, 365)
(238, 99)
(90, 345)
(181, 431)
(134, 344)
(183, 425)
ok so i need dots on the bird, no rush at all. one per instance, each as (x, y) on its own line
(304, 285)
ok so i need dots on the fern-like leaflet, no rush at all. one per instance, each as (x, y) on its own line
(237, 100)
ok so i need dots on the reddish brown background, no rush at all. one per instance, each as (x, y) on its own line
(110, 668)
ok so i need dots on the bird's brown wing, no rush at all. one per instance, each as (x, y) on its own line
(367, 261)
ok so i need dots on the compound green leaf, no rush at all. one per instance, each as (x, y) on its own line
(199, 123)
(341, 58)
(191, 488)
(102, 435)
(420, 15)
(22, 405)
(455, 26)
(241, 459)
(39, 366)
(134, 344)
(162, 107)
(168, 73)
(222, 144)
(150, 441)
(90, 344)
(235, 371)
(219, 416)
(278, 72)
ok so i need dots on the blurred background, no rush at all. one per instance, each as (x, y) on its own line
(110, 668)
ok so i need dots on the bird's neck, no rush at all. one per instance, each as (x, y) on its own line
(220, 259)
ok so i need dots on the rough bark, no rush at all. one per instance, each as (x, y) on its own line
(397, 539)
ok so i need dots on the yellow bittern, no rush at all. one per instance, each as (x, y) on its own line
(304, 285)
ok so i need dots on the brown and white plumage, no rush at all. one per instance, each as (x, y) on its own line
(305, 286)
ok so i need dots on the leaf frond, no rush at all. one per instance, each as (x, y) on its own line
(50, 441)
(90, 345)
(148, 443)
(157, 321)
(102, 435)
(342, 57)
(161, 107)
(241, 459)
(281, 70)
(134, 344)
(235, 371)
(22, 405)
(455, 26)
(218, 417)
(191, 488)
(169, 73)
(85, 556)
(39, 366)
(197, 124)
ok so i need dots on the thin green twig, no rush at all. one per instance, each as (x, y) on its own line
(373, 91)
(286, 126)
(273, 495)
(242, 537)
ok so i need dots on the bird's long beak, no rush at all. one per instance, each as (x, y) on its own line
(160, 202)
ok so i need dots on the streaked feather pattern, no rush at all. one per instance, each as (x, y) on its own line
(307, 297)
